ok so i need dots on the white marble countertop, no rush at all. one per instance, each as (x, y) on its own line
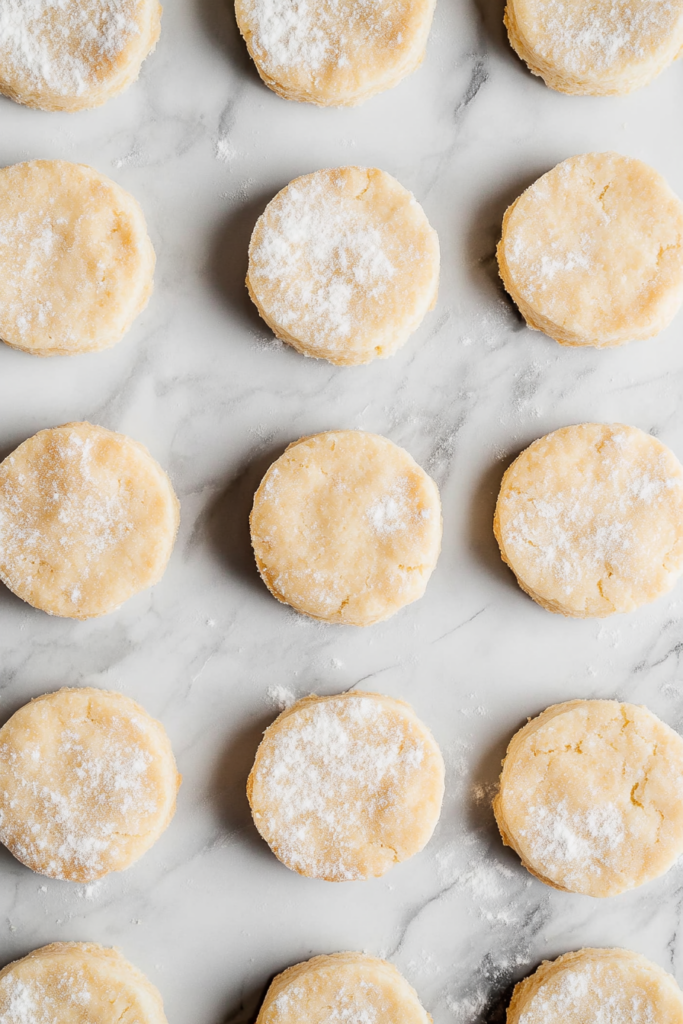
(210, 914)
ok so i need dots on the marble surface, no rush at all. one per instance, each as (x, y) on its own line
(209, 914)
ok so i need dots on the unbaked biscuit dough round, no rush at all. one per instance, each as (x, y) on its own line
(597, 986)
(591, 796)
(345, 787)
(76, 262)
(73, 54)
(603, 48)
(346, 527)
(592, 252)
(590, 519)
(349, 987)
(343, 265)
(335, 53)
(88, 783)
(77, 983)
(87, 520)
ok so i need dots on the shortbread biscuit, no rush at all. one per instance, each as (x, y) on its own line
(590, 519)
(343, 265)
(346, 527)
(88, 783)
(73, 54)
(87, 519)
(592, 252)
(77, 983)
(76, 262)
(349, 987)
(597, 986)
(601, 48)
(334, 54)
(591, 796)
(345, 787)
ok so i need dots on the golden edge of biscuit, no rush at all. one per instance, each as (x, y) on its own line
(98, 95)
(79, 876)
(620, 84)
(314, 698)
(163, 477)
(528, 987)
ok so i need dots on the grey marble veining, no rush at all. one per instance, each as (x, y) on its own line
(209, 914)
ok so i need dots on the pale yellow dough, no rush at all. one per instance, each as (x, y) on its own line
(597, 986)
(346, 527)
(592, 252)
(77, 983)
(591, 796)
(342, 987)
(600, 48)
(76, 262)
(343, 265)
(73, 54)
(345, 787)
(590, 519)
(87, 519)
(335, 53)
(88, 783)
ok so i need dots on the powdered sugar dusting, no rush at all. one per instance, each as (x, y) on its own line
(582, 39)
(320, 256)
(395, 510)
(579, 841)
(611, 510)
(592, 993)
(69, 801)
(63, 45)
(61, 508)
(31, 999)
(331, 781)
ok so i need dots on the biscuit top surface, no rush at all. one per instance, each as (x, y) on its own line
(65, 46)
(596, 247)
(597, 986)
(592, 796)
(591, 517)
(344, 787)
(586, 39)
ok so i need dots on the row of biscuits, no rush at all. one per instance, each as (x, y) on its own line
(345, 526)
(343, 264)
(77, 54)
(58, 983)
(343, 787)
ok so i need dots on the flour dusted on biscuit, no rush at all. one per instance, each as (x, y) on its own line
(343, 787)
(73, 54)
(353, 988)
(76, 262)
(75, 983)
(614, 986)
(591, 796)
(590, 519)
(346, 527)
(606, 47)
(592, 252)
(87, 784)
(87, 519)
(334, 52)
(343, 265)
